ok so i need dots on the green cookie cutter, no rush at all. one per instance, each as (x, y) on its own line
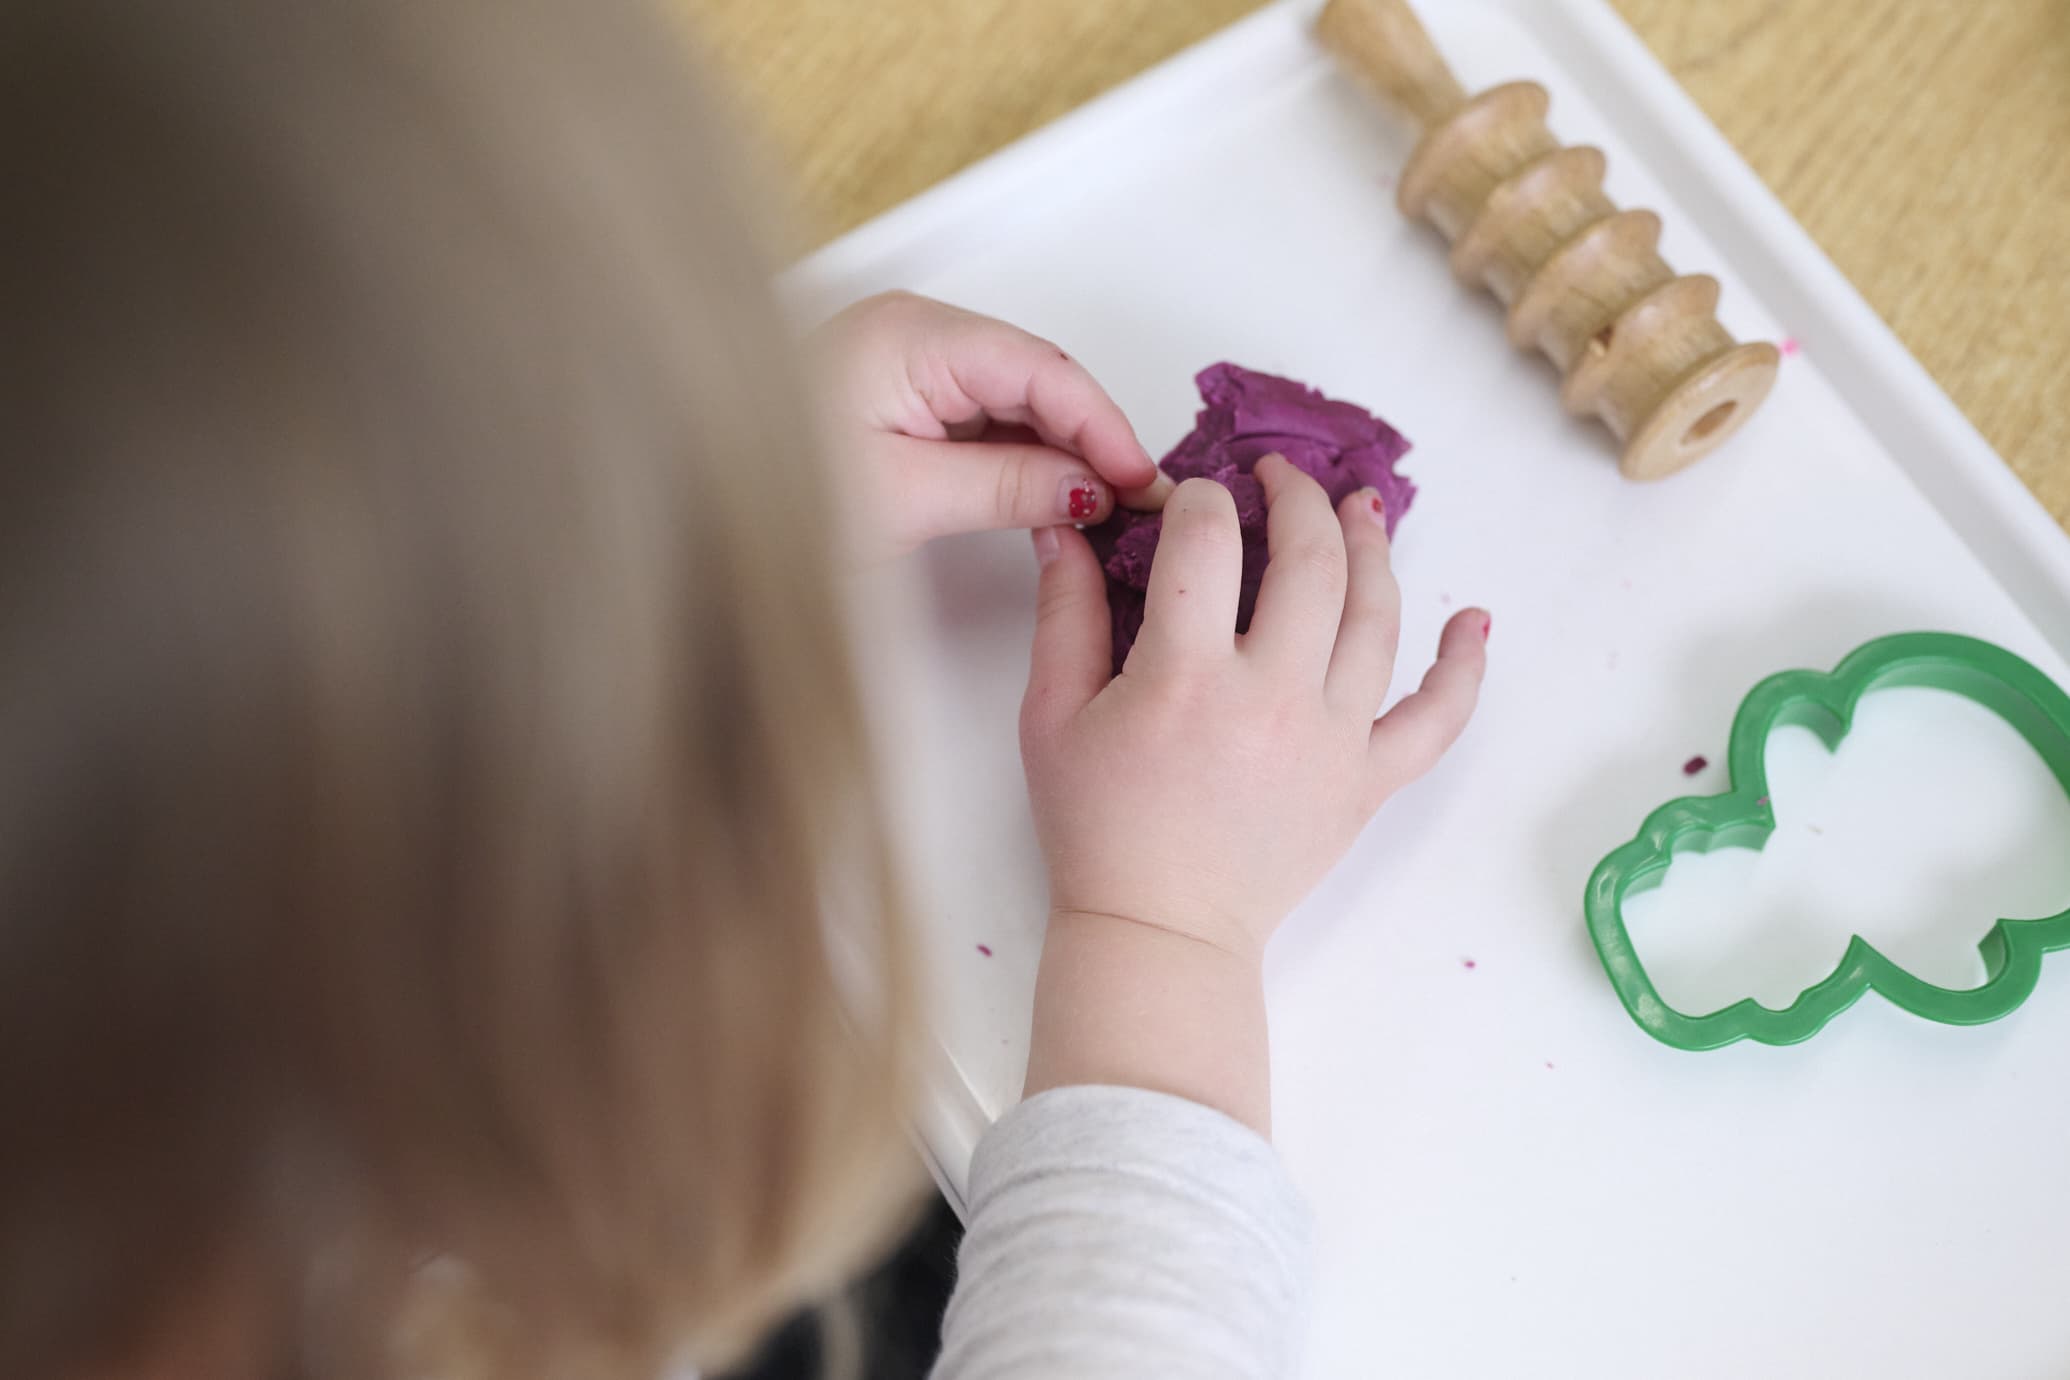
(1743, 818)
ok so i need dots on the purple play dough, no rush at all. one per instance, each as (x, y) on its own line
(1247, 417)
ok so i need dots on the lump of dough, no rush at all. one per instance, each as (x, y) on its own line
(1247, 416)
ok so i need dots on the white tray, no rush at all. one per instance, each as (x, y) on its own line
(1509, 1177)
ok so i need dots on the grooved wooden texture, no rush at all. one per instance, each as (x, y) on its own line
(1921, 142)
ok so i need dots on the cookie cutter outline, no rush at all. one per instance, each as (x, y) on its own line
(1742, 817)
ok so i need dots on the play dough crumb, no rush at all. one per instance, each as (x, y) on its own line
(1695, 764)
(1247, 416)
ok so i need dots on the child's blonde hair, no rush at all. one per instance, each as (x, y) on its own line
(428, 753)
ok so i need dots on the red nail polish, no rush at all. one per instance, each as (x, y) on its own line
(1379, 508)
(1084, 501)
(1487, 625)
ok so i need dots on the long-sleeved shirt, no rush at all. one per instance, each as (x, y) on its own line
(1117, 1232)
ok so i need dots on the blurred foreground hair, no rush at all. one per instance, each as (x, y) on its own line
(436, 827)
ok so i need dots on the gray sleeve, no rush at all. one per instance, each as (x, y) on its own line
(1117, 1232)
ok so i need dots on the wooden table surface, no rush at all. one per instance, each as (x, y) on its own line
(1925, 144)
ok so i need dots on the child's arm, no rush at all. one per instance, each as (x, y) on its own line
(1186, 806)
(1129, 1219)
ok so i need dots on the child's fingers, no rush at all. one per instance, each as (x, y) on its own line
(1363, 661)
(977, 486)
(1413, 735)
(1073, 654)
(1196, 575)
(1152, 497)
(1024, 380)
(1301, 602)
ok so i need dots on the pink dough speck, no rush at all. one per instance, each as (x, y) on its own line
(1695, 764)
(985, 949)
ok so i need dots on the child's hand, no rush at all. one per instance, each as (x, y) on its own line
(1208, 788)
(945, 421)
(1187, 805)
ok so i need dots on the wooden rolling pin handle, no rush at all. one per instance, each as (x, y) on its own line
(1527, 217)
(1387, 47)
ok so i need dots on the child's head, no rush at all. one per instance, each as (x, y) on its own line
(427, 752)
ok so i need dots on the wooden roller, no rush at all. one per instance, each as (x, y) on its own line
(1640, 346)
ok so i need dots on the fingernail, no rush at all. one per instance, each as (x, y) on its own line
(1376, 509)
(1487, 625)
(1150, 498)
(1079, 499)
(1047, 547)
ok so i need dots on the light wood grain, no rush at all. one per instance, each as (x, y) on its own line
(1641, 348)
(1922, 142)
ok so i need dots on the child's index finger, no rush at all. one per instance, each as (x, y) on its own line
(1022, 379)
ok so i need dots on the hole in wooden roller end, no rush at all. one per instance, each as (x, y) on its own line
(1709, 422)
(1702, 412)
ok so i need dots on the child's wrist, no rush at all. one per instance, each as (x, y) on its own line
(1200, 928)
(1129, 1003)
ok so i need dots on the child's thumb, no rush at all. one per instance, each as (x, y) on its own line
(1073, 655)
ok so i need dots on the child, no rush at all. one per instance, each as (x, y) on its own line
(443, 924)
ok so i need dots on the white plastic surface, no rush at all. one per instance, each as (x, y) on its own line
(1509, 1177)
